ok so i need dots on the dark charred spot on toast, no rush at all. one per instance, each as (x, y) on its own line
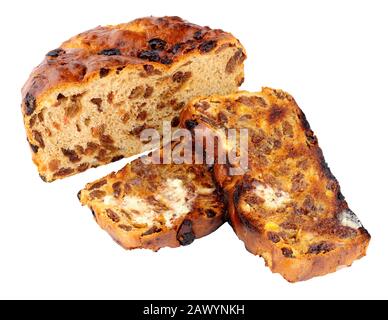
(237, 59)
(175, 122)
(104, 72)
(29, 104)
(63, 172)
(287, 252)
(33, 147)
(364, 232)
(150, 55)
(210, 213)
(151, 231)
(112, 215)
(44, 179)
(185, 234)
(273, 237)
(340, 196)
(98, 184)
(325, 167)
(55, 53)
(311, 138)
(191, 124)
(117, 158)
(110, 52)
(276, 114)
(303, 120)
(71, 155)
(207, 46)
(79, 195)
(322, 247)
(93, 213)
(157, 44)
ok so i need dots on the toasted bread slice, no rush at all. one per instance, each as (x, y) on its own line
(155, 205)
(287, 207)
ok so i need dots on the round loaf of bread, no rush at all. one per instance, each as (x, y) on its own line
(87, 103)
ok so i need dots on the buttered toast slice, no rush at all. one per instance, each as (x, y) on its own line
(287, 207)
(155, 205)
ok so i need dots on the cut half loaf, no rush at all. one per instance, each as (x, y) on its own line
(288, 206)
(86, 104)
(156, 205)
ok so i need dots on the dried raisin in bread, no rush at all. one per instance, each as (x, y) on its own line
(87, 102)
(156, 205)
(287, 207)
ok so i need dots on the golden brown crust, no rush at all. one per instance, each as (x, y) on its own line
(288, 206)
(133, 44)
(122, 204)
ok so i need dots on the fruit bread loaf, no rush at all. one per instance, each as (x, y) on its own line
(287, 207)
(86, 104)
(156, 205)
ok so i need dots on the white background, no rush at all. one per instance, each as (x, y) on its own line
(330, 55)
